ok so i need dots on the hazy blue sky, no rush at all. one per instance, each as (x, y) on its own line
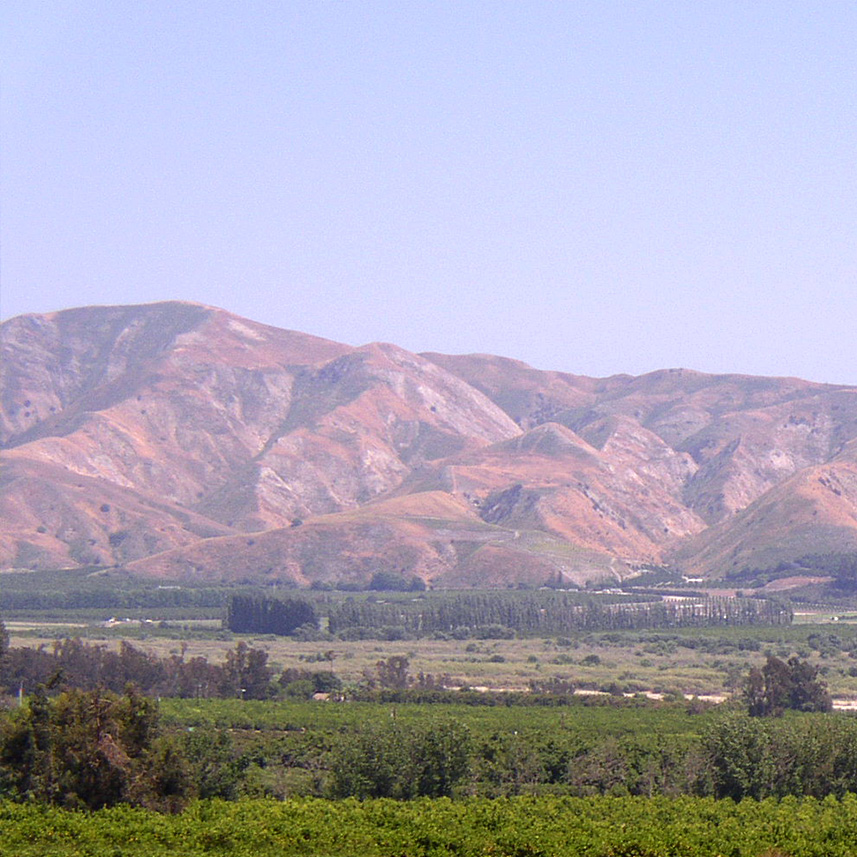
(597, 187)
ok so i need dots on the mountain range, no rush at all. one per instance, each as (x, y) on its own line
(179, 441)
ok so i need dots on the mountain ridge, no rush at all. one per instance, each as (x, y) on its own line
(159, 438)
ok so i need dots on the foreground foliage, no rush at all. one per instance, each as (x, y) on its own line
(90, 750)
(507, 827)
(618, 748)
(94, 748)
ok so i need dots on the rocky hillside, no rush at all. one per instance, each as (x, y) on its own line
(179, 440)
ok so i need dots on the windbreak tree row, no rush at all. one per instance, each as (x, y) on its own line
(546, 614)
(247, 614)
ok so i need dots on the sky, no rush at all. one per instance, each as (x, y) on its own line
(590, 186)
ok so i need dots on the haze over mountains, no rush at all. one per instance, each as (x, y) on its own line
(180, 441)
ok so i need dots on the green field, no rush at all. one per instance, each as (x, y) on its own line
(513, 827)
(583, 718)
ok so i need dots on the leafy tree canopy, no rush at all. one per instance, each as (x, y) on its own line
(781, 685)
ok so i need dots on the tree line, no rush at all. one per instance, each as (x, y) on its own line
(254, 614)
(74, 664)
(544, 614)
(494, 615)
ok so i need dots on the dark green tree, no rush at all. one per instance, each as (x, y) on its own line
(781, 685)
(393, 672)
(398, 762)
(257, 615)
(389, 581)
(751, 757)
(246, 673)
(739, 758)
(214, 765)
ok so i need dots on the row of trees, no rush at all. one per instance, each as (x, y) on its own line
(736, 757)
(401, 762)
(256, 614)
(546, 613)
(72, 663)
(245, 673)
(108, 596)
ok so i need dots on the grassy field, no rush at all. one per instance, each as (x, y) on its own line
(705, 662)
